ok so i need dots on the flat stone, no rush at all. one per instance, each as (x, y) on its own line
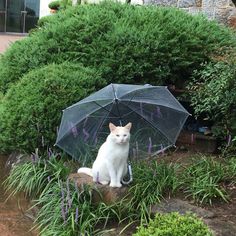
(220, 227)
(183, 207)
(105, 193)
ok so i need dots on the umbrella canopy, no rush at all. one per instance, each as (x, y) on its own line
(157, 119)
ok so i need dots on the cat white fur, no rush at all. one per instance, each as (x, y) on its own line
(111, 162)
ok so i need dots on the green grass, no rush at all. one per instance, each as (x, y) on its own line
(202, 180)
(67, 210)
(151, 184)
(33, 177)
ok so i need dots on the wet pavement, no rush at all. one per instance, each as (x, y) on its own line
(13, 221)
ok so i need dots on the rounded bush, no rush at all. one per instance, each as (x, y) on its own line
(31, 110)
(129, 44)
(174, 224)
(54, 5)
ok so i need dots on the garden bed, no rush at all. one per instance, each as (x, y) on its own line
(221, 216)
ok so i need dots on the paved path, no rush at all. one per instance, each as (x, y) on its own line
(7, 39)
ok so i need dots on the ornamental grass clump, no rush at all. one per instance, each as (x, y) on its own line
(33, 177)
(202, 180)
(152, 182)
(68, 210)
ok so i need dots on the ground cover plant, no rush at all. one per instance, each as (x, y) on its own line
(202, 180)
(111, 38)
(152, 182)
(66, 209)
(33, 177)
(174, 224)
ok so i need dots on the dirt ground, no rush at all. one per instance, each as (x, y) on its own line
(224, 221)
(13, 222)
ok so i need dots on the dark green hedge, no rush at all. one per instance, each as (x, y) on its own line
(129, 44)
(32, 108)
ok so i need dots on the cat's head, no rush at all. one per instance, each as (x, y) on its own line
(120, 134)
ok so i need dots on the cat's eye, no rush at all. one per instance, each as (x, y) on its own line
(117, 135)
(125, 135)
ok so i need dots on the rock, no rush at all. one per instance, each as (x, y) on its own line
(187, 3)
(222, 14)
(16, 158)
(220, 227)
(162, 2)
(105, 193)
(194, 10)
(208, 3)
(232, 19)
(222, 3)
(177, 205)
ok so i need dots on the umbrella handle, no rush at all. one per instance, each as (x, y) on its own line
(130, 175)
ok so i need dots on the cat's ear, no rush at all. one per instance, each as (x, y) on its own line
(128, 126)
(112, 127)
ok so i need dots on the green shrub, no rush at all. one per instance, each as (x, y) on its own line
(54, 5)
(174, 224)
(31, 110)
(214, 94)
(43, 21)
(127, 44)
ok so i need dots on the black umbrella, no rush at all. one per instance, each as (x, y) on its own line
(157, 119)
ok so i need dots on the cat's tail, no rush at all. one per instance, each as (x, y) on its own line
(85, 170)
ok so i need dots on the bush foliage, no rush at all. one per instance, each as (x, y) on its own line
(128, 44)
(31, 110)
(174, 224)
(214, 96)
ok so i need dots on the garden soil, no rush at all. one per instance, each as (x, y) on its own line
(13, 221)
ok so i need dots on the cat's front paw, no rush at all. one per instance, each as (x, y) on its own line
(117, 185)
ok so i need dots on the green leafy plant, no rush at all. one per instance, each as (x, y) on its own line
(33, 177)
(54, 5)
(31, 110)
(151, 183)
(201, 180)
(68, 210)
(231, 170)
(174, 224)
(110, 37)
(213, 96)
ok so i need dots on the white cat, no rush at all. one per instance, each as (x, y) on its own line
(111, 162)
